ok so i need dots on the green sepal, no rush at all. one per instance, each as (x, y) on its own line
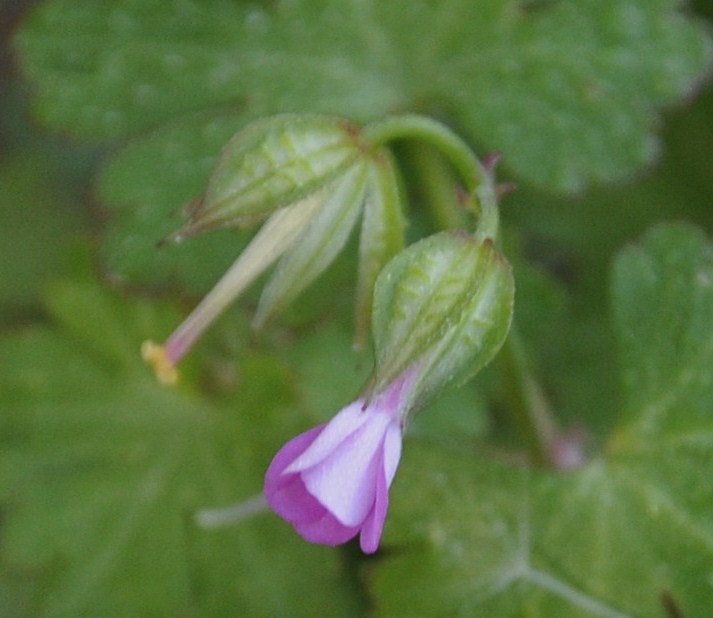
(318, 245)
(444, 306)
(270, 164)
(381, 238)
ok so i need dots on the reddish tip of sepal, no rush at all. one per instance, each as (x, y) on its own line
(505, 188)
(490, 161)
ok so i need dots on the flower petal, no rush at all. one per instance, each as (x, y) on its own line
(332, 482)
(392, 451)
(291, 501)
(289, 452)
(389, 461)
(393, 397)
(345, 482)
(345, 423)
(374, 523)
(286, 493)
(288, 497)
(326, 530)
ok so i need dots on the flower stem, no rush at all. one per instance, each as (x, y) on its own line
(527, 403)
(436, 184)
(477, 180)
(530, 411)
(420, 127)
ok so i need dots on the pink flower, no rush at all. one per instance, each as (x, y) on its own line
(332, 482)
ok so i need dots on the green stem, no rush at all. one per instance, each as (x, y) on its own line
(420, 127)
(528, 405)
(489, 213)
(476, 179)
(434, 177)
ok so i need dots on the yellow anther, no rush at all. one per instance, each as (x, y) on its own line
(155, 355)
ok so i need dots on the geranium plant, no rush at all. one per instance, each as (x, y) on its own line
(427, 288)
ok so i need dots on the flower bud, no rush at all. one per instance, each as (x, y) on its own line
(270, 164)
(443, 305)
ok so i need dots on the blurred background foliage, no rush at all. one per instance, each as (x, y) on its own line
(84, 322)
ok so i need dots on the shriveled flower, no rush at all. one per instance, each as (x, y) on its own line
(312, 178)
(332, 482)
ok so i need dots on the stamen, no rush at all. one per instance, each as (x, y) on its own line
(156, 356)
(229, 515)
(274, 238)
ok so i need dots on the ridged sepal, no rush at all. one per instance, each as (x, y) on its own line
(318, 245)
(444, 305)
(381, 238)
(270, 164)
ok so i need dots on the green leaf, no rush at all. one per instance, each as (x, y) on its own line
(662, 294)
(569, 91)
(144, 186)
(566, 336)
(328, 373)
(102, 472)
(38, 225)
(626, 535)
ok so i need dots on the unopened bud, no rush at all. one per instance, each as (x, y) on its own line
(443, 305)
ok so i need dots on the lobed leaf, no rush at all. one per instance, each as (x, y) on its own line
(102, 472)
(142, 211)
(627, 535)
(569, 92)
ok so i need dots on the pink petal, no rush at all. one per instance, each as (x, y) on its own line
(309, 518)
(286, 493)
(392, 451)
(291, 501)
(289, 498)
(332, 482)
(389, 461)
(374, 524)
(290, 451)
(326, 530)
(345, 482)
(395, 395)
(345, 423)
